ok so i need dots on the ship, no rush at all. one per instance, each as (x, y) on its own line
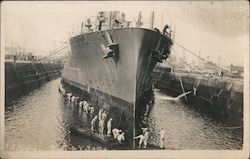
(110, 65)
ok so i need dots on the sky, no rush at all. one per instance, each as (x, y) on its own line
(214, 29)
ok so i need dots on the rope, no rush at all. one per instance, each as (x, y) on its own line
(56, 51)
(200, 57)
(182, 87)
(201, 73)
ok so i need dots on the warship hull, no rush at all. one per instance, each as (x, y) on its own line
(122, 85)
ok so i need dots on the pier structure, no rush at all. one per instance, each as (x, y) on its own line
(220, 98)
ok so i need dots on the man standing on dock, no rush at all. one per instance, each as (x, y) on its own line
(81, 104)
(85, 106)
(146, 136)
(91, 110)
(120, 137)
(100, 114)
(109, 125)
(104, 115)
(101, 126)
(93, 123)
(116, 132)
(141, 137)
(162, 137)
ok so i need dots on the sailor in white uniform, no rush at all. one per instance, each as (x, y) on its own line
(146, 136)
(101, 126)
(116, 132)
(162, 137)
(93, 123)
(120, 137)
(109, 126)
(141, 137)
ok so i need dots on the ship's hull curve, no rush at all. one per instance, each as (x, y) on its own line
(118, 84)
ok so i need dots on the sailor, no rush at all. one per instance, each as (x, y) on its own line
(146, 136)
(63, 92)
(84, 102)
(141, 137)
(101, 20)
(85, 106)
(76, 99)
(59, 86)
(91, 110)
(123, 21)
(69, 95)
(109, 126)
(195, 90)
(144, 129)
(222, 74)
(81, 104)
(72, 99)
(100, 114)
(93, 123)
(104, 115)
(116, 132)
(88, 25)
(101, 126)
(121, 137)
(37, 73)
(162, 137)
(116, 23)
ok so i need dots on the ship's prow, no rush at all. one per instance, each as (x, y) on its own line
(112, 70)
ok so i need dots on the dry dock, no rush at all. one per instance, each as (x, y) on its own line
(217, 97)
(22, 77)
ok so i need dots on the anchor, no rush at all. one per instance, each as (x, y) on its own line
(112, 49)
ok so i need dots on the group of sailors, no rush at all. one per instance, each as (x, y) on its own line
(98, 121)
(143, 138)
(101, 118)
(116, 21)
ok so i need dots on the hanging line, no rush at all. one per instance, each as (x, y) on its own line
(200, 57)
(183, 90)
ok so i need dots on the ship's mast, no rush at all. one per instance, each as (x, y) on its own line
(152, 20)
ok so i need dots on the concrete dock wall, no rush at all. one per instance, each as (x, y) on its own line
(219, 98)
(21, 78)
